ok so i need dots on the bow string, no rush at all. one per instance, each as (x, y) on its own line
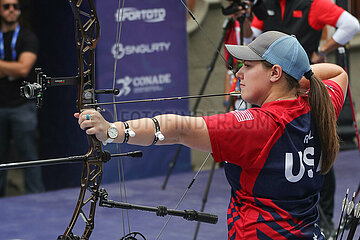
(120, 162)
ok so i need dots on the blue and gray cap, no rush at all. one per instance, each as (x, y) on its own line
(276, 48)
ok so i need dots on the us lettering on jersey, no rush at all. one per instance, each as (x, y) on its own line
(302, 158)
(305, 162)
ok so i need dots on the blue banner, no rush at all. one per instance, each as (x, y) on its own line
(146, 42)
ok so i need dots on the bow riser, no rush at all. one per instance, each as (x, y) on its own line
(87, 31)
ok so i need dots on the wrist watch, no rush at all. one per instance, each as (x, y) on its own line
(112, 133)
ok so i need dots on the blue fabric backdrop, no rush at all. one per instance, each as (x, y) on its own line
(151, 63)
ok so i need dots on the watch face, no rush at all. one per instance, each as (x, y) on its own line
(112, 132)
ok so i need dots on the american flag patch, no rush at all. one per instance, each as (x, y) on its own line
(244, 115)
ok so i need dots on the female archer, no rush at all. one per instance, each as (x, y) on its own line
(278, 152)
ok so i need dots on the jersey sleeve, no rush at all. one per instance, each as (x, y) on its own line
(324, 12)
(336, 94)
(238, 136)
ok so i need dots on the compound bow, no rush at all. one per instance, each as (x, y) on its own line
(87, 31)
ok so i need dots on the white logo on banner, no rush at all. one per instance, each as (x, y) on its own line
(119, 51)
(147, 15)
(141, 84)
(125, 89)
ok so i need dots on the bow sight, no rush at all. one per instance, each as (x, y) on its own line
(36, 90)
(233, 7)
(257, 6)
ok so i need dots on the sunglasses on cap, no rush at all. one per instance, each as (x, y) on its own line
(6, 6)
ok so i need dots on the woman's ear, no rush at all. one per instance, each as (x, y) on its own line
(276, 73)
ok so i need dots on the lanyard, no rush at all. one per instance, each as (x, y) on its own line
(13, 43)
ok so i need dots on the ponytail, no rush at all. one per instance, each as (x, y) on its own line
(324, 113)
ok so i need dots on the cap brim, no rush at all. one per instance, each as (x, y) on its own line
(243, 53)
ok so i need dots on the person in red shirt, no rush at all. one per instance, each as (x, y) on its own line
(233, 36)
(306, 19)
(265, 149)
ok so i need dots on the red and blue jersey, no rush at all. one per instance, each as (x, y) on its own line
(272, 162)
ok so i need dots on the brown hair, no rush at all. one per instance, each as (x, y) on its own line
(323, 111)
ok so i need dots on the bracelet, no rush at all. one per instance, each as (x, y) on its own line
(158, 134)
(128, 132)
(320, 53)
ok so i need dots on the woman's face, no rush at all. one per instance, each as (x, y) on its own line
(254, 82)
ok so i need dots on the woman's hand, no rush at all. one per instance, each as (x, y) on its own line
(94, 123)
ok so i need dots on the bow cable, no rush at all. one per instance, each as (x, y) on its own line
(234, 93)
(122, 179)
(121, 172)
(230, 68)
(207, 36)
(184, 194)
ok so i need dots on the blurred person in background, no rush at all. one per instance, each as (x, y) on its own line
(18, 117)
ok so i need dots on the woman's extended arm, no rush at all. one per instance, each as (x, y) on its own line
(189, 131)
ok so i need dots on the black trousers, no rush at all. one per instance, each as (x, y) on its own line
(327, 196)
